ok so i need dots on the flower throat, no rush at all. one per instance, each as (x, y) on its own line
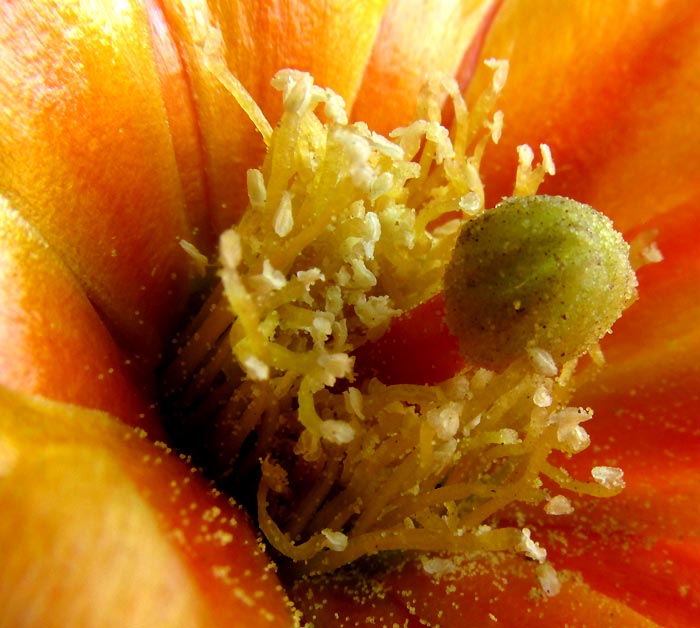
(345, 232)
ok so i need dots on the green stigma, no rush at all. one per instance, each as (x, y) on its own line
(536, 272)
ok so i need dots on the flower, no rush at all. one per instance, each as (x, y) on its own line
(113, 113)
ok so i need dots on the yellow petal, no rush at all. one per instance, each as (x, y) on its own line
(103, 528)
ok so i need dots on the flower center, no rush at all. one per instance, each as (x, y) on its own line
(346, 230)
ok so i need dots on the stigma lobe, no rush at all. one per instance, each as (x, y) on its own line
(537, 272)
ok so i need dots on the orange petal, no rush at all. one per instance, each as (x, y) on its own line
(86, 156)
(183, 126)
(332, 43)
(51, 340)
(496, 590)
(646, 425)
(102, 527)
(659, 335)
(613, 88)
(656, 577)
(641, 546)
(417, 40)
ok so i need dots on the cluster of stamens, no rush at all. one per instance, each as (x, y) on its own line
(345, 231)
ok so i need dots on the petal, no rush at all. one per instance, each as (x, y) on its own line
(86, 157)
(640, 547)
(416, 40)
(648, 427)
(107, 529)
(480, 592)
(52, 342)
(659, 334)
(613, 89)
(422, 332)
(658, 578)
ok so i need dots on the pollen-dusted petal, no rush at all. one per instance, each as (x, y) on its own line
(104, 528)
(646, 424)
(501, 590)
(643, 545)
(654, 576)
